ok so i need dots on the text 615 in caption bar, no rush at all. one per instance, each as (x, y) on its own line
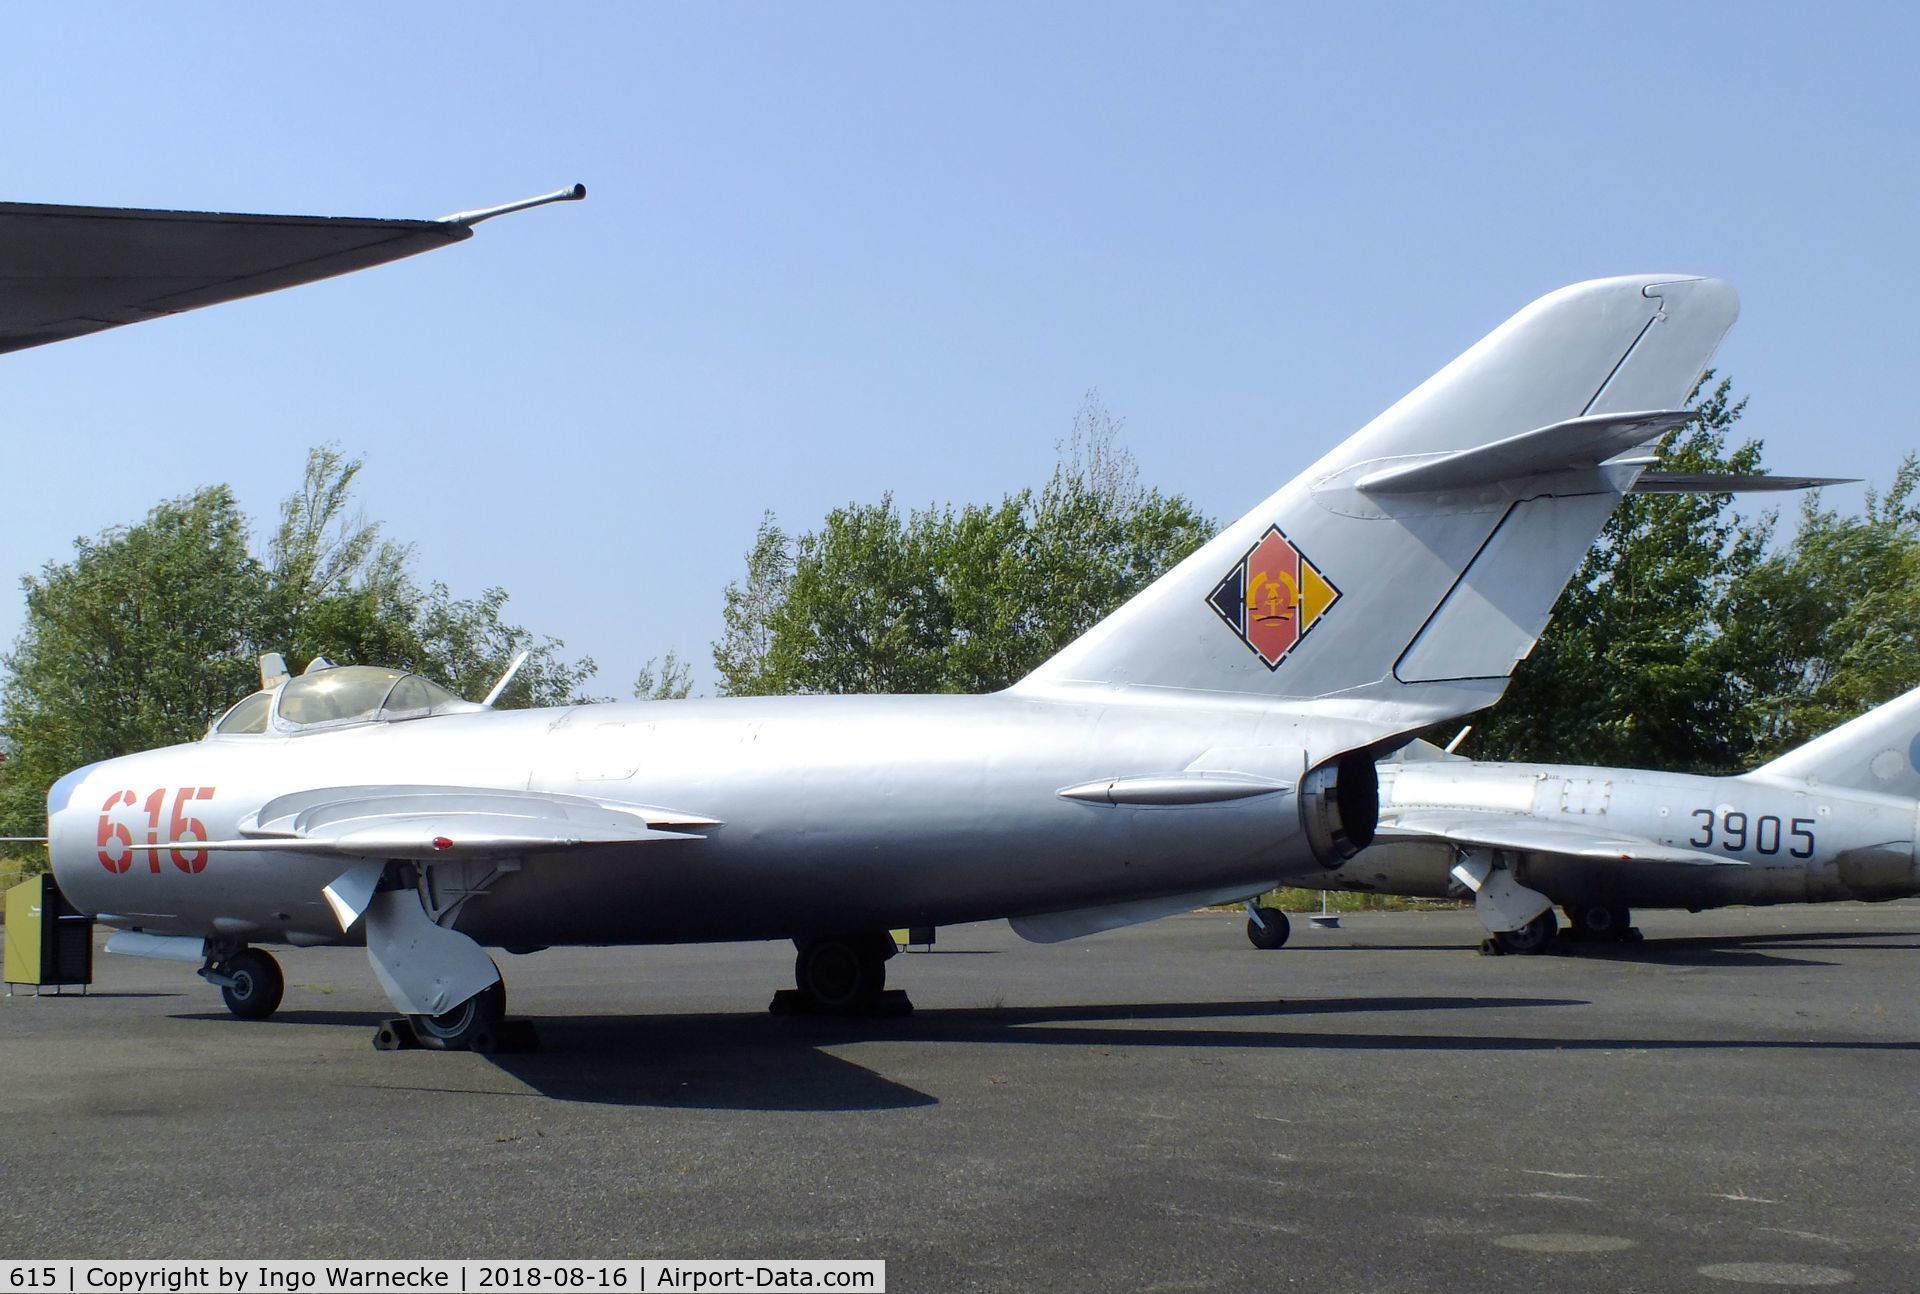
(259, 1276)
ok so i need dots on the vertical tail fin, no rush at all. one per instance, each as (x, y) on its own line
(1879, 751)
(1406, 573)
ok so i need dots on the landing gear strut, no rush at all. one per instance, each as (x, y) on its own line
(250, 983)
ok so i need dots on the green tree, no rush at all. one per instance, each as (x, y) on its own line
(152, 629)
(335, 588)
(1649, 661)
(147, 631)
(746, 642)
(669, 679)
(1837, 615)
(952, 600)
(466, 643)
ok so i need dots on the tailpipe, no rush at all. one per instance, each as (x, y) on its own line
(1340, 807)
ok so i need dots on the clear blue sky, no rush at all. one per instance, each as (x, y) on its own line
(834, 250)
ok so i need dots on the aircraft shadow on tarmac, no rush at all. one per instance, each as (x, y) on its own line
(754, 1061)
(1691, 950)
(1740, 950)
(740, 1061)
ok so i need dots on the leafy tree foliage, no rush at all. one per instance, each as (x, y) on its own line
(1836, 615)
(1689, 639)
(952, 600)
(668, 679)
(746, 643)
(467, 644)
(153, 628)
(132, 644)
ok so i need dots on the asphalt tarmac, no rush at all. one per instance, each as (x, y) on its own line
(1375, 1108)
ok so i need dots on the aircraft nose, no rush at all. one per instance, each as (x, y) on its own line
(69, 849)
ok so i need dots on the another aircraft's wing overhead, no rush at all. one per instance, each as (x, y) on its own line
(69, 271)
(429, 822)
(1530, 835)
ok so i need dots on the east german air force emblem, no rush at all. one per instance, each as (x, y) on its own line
(1273, 597)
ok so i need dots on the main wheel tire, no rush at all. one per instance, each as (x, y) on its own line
(1534, 937)
(257, 984)
(842, 973)
(1271, 935)
(1601, 922)
(457, 1029)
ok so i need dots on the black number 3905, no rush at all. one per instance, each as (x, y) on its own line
(1737, 833)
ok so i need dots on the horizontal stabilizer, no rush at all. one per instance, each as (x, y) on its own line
(1574, 444)
(1730, 482)
(1530, 836)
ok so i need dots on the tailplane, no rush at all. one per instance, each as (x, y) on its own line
(1404, 575)
(1879, 751)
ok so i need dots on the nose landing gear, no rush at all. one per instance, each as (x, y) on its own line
(1267, 928)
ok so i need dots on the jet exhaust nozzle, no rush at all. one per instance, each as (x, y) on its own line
(1340, 807)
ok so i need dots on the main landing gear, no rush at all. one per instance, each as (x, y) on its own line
(250, 981)
(477, 1024)
(1536, 936)
(1601, 923)
(842, 975)
(475, 1020)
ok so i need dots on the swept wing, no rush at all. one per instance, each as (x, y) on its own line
(68, 271)
(1524, 834)
(440, 822)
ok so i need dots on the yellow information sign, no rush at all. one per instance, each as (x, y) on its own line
(24, 921)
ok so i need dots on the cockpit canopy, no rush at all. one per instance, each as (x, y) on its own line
(344, 694)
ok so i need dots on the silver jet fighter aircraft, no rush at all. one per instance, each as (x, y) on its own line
(1214, 734)
(1833, 820)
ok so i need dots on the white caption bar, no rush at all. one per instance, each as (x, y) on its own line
(546, 1276)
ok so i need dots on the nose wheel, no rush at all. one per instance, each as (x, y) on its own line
(1267, 928)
